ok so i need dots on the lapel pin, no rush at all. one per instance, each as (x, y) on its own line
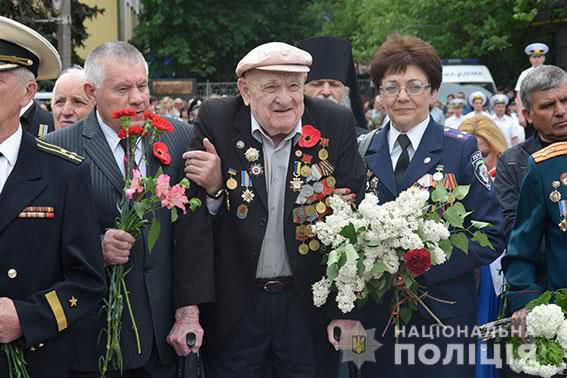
(427, 160)
(252, 154)
(240, 144)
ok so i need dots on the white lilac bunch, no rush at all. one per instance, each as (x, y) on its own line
(545, 354)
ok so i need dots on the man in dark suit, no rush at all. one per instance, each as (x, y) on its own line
(410, 149)
(51, 266)
(267, 155)
(117, 78)
(36, 120)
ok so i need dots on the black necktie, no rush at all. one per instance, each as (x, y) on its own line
(403, 160)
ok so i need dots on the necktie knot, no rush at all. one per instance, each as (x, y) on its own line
(404, 141)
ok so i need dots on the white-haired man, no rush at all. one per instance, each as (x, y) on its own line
(117, 78)
(70, 103)
(276, 148)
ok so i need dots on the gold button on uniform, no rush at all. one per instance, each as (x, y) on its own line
(12, 273)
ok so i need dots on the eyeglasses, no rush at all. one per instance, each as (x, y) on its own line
(413, 88)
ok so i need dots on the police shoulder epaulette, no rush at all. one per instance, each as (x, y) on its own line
(59, 151)
(456, 134)
(551, 151)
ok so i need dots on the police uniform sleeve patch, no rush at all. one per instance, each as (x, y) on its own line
(59, 151)
(480, 170)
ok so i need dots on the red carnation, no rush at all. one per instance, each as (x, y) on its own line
(124, 113)
(136, 131)
(418, 261)
(122, 133)
(162, 124)
(310, 136)
(149, 115)
(161, 152)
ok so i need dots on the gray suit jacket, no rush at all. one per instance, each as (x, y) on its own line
(150, 278)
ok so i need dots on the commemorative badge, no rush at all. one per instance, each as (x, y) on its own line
(555, 196)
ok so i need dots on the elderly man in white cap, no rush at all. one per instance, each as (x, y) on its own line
(51, 268)
(536, 52)
(270, 158)
(512, 131)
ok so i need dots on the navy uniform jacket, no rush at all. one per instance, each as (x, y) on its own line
(538, 219)
(48, 263)
(216, 259)
(37, 121)
(453, 280)
(149, 279)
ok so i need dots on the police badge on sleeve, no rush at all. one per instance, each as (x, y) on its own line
(480, 170)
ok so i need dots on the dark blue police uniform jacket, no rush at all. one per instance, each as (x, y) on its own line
(453, 280)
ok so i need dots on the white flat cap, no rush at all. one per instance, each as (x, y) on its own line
(21, 46)
(275, 56)
(536, 49)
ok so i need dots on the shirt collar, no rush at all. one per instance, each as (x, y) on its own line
(414, 134)
(11, 146)
(259, 134)
(25, 108)
(109, 134)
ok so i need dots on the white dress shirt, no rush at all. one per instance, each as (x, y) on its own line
(9, 150)
(114, 142)
(415, 134)
(454, 122)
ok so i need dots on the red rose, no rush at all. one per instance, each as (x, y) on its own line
(162, 124)
(310, 136)
(161, 152)
(124, 113)
(418, 261)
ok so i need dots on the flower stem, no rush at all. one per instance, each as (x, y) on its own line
(131, 312)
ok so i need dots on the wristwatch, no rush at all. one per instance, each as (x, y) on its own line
(218, 194)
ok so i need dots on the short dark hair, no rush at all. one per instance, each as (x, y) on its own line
(399, 51)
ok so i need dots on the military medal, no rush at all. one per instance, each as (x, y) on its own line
(438, 176)
(563, 213)
(303, 249)
(296, 183)
(450, 182)
(563, 179)
(323, 153)
(252, 154)
(314, 245)
(231, 183)
(242, 211)
(305, 171)
(331, 181)
(326, 168)
(298, 153)
(318, 187)
(256, 169)
(247, 194)
(315, 173)
(555, 196)
(321, 207)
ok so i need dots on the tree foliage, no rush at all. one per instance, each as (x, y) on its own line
(493, 31)
(206, 39)
(29, 11)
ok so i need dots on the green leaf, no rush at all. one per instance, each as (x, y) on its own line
(545, 298)
(379, 267)
(349, 232)
(455, 215)
(480, 225)
(140, 208)
(446, 246)
(481, 238)
(405, 314)
(440, 194)
(153, 234)
(561, 299)
(173, 214)
(461, 191)
(332, 272)
(460, 241)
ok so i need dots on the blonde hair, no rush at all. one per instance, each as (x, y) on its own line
(483, 126)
